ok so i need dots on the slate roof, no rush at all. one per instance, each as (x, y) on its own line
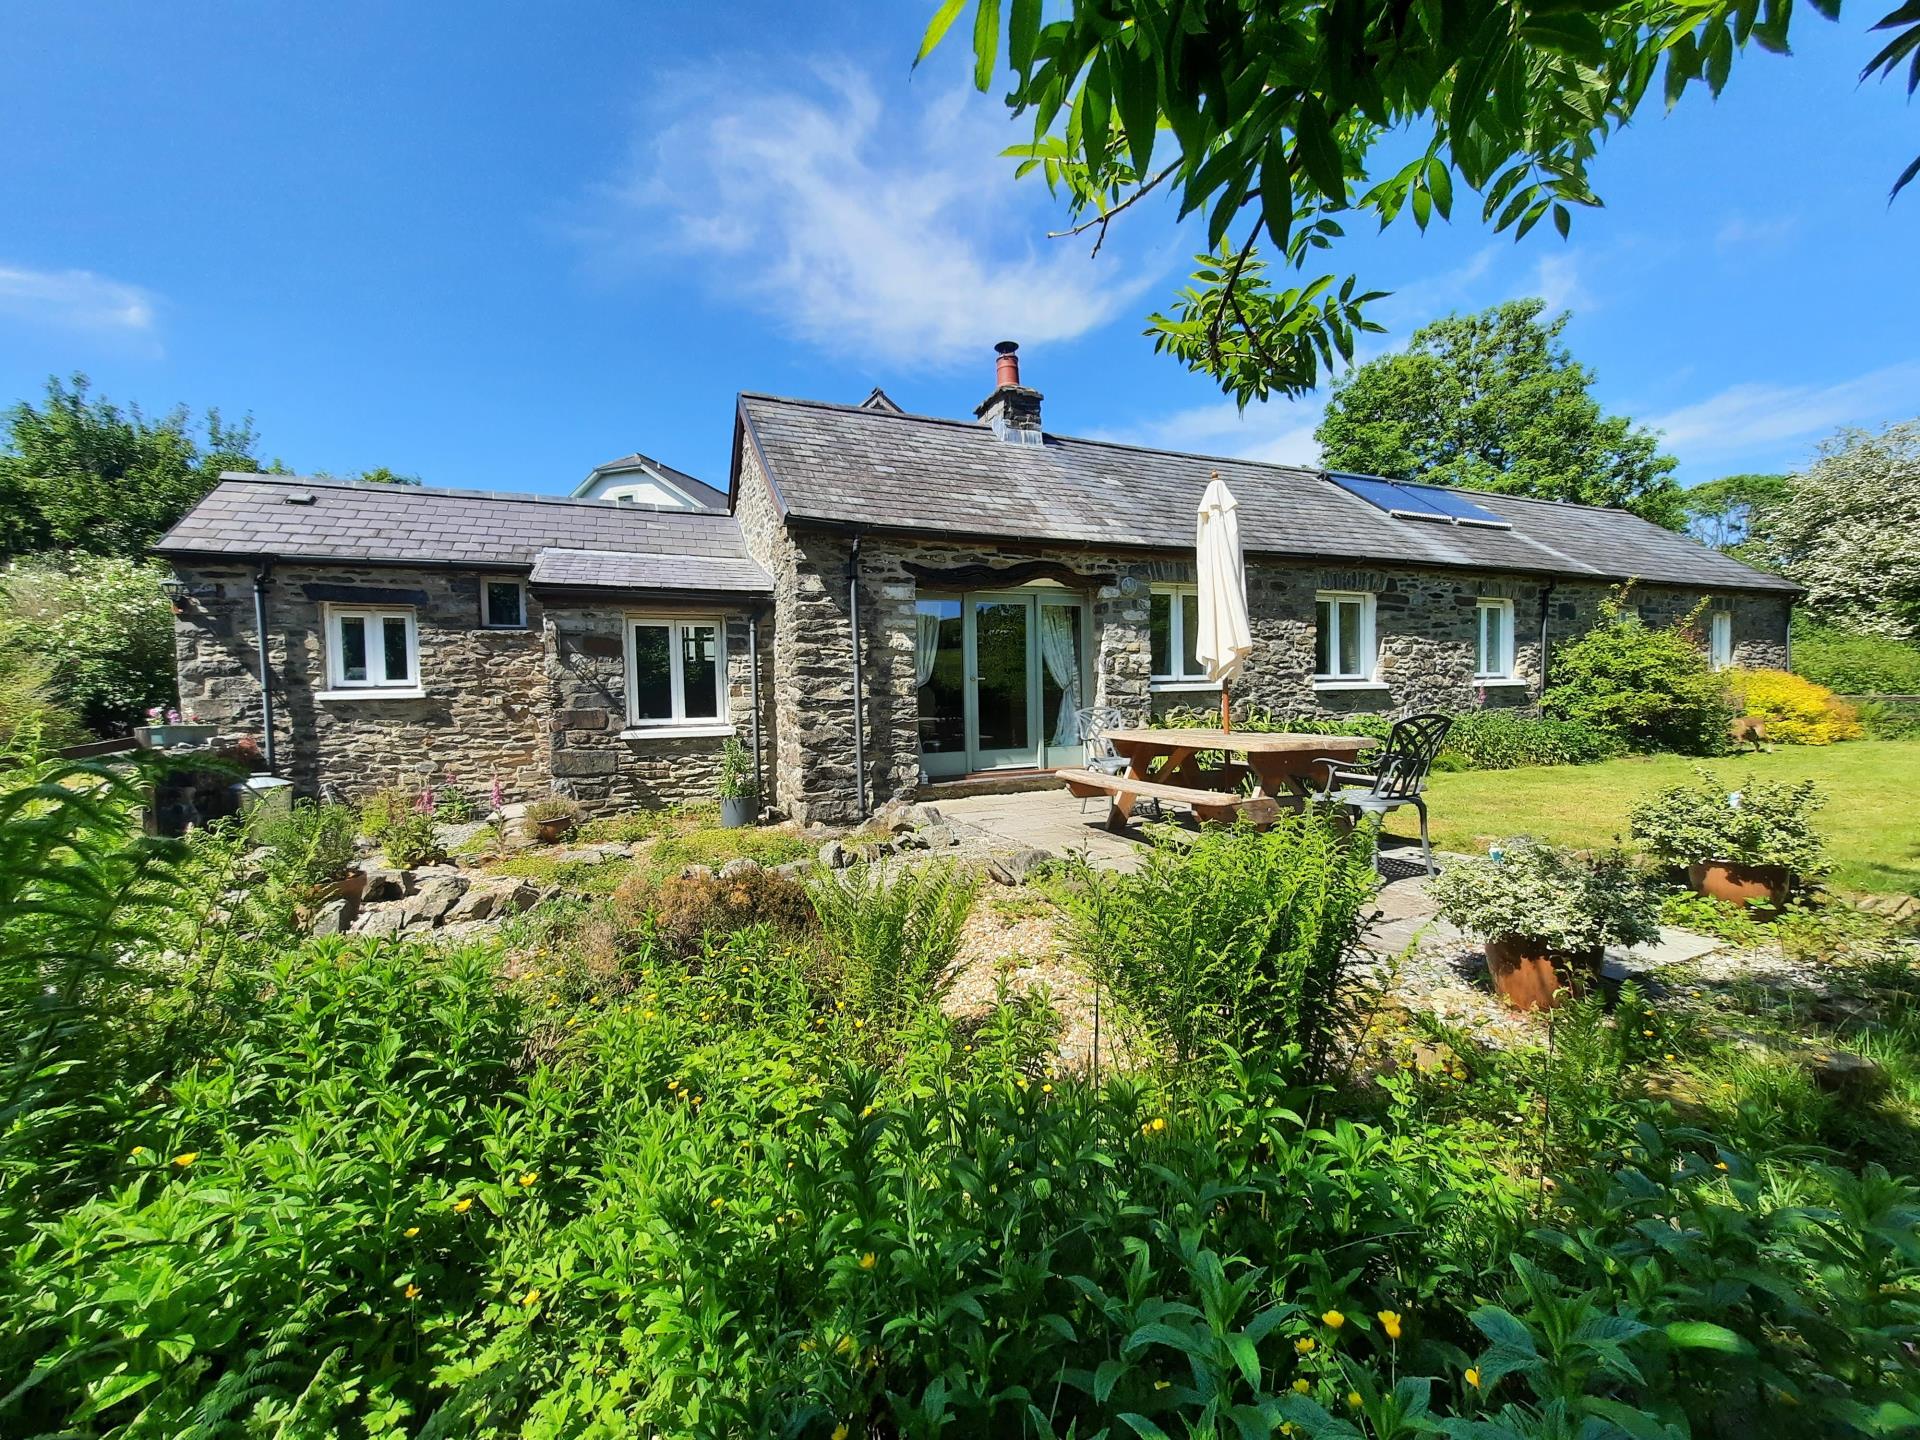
(851, 466)
(701, 493)
(356, 522)
(632, 570)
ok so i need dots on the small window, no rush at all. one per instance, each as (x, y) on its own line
(1173, 623)
(372, 649)
(1343, 635)
(503, 604)
(1720, 639)
(1493, 645)
(676, 671)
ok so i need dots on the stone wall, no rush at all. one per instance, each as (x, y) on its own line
(483, 713)
(586, 697)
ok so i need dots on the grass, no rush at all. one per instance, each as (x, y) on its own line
(1871, 821)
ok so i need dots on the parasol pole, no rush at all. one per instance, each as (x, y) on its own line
(1226, 709)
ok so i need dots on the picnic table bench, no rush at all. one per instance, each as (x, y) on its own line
(1282, 767)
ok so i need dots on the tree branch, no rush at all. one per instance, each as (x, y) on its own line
(1106, 217)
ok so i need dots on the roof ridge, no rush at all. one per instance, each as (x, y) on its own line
(452, 492)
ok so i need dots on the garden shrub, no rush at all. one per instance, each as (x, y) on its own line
(1505, 739)
(412, 841)
(892, 938)
(1576, 904)
(1764, 822)
(682, 910)
(1795, 709)
(386, 808)
(1650, 689)
(1232, 937)
(1850, 662)
(310, 844)
(103, 628)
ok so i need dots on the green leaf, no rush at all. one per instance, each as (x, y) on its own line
(1319, 153)
(1704, 1335)
(937, 27)
(1106, 1377)
(1246, 1357)
(1023, 34)
(986, 43)
(1145, 1427)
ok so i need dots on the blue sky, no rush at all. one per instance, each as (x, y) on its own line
(495, 245)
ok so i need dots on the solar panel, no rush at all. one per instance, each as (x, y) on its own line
(1417, 502)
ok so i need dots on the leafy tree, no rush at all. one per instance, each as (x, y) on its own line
(1650, 689)
(1495, 401)
(381, 475)
(101, 629)
(80, 473)
(1722, 513)
(1265, 117)
(1846, 530)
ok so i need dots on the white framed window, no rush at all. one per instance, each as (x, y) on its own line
(676, 672)
(372, 649)
(503, 604)
(1343, 636)
(1493, 640)
(1720, 639)
(1173, 625)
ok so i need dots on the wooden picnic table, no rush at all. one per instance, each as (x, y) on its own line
(1282, 765)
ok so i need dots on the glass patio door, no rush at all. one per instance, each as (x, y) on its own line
(1000, 677)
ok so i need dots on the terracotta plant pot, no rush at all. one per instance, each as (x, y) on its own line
(1739, 884)
(553, 831)
(1530, 975)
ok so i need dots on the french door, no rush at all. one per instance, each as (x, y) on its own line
(1001, 676)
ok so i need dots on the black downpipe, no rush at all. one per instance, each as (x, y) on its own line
(262, 582)
(859, 716)
(753, 666)
(1546, 596)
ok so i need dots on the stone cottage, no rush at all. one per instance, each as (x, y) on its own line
(888, 603)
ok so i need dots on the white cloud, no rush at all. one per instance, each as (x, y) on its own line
(890, 230)
(75, 299)
(1279, 431)
(1760, 419)
(1740, 233)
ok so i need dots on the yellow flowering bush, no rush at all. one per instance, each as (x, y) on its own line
(1795, 710)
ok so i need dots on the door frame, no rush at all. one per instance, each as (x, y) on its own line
(1041, 753)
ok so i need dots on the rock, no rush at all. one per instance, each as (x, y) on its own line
(938, 837)
(909, 840)
(1015, 868)
(695, 871)
(871, 851)
(438, 894)
(381, 920)
(736, 868)
(383, 884)
(522, 896)
(794, 869)
(1841, 1072)
(834, 855)
(334, 918)
(924, 815)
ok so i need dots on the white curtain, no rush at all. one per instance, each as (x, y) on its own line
(1062, 659)
(926, 647)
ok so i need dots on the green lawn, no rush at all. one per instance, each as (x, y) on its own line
(1871, 819)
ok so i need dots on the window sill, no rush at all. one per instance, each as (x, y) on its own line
(372, 692)
(677, 732)
(1320, 684)
(1488, 681)
(1177, 685)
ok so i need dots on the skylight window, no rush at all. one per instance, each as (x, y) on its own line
(1406, 501)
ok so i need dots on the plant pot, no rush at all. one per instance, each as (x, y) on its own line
(551, 832)
(350, 886)
(1530, 975)
(165, 737)
(738, 811)
(1738, 884)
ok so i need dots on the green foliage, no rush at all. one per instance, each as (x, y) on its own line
(715, 847)
(685, 911)
(1233, 938)
(80, 474)
(1651, 689)
(737, 780)
(413, 840)
(1496, 402)
(1479, 739)
(1852, 662)
(1576, 904)
(1725, 513)
(386, 808)
(1761, 823)
(1845, 529)
(99, 629)
(311, 844)
(892, 938)
(1278, 118)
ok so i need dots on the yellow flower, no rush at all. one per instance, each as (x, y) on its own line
(1304, 1344)
(858, 1023)
(1353, 1399)
(867, 1261)
(1719, 1164)
(1159, 1124)
(531, 1297)
(186, 1158)
(840, 1431)
(1473, 1376)
(1333, 1319)
(460, 1207)
(411, 1231)
(844, 1345)
(1163, 1384)
(1300, 1387)
(412, 1292)
(528, 1178)
(718, 1201)
(1647, 1033)
(137, 1151)
(1390, 1322)
(1668, 1057)
(807, 1347)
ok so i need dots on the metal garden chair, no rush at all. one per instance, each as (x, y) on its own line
(1394, 775)
(1091, 726)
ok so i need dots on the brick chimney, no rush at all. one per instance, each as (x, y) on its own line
(1012, 409)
